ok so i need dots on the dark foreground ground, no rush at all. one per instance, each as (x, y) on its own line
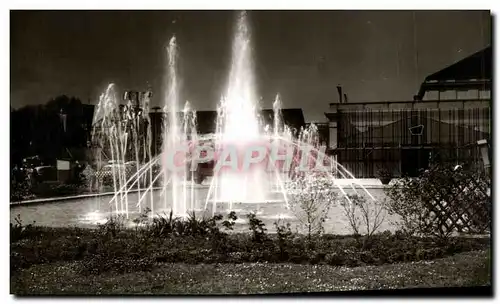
(63, 278)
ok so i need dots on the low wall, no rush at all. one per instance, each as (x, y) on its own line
(66, 198)
(367, 183)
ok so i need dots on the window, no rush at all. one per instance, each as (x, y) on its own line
(447, 95)
(484, 94)
(467, 94)
(431, 95)
(417, 130)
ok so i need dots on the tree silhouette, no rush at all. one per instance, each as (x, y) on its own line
(48, 130)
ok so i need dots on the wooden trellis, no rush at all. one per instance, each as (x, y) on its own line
(462, 204)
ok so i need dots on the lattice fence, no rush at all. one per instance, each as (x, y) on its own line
(456, 200)
(105, 176)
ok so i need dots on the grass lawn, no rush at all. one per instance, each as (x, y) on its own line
(464, 269)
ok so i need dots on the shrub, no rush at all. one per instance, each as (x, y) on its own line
(195, 227)
(163, 225)
(54, 190)
(113, 225)
(335, 259)
(199, 228)
(231, 220)
(257, 227)
(19, 231)
(284, 235)
(310, 199)
(441, 200)
(20, 190)
(99, 252)
(142, 219)
(360, 212)
(384, 174)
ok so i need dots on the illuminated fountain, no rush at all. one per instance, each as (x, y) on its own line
(176, 134)
(123, 135)
(238, 128)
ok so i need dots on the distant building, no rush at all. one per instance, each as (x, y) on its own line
(468, 79)
(206, 122)
(449, 114)
(323, 132)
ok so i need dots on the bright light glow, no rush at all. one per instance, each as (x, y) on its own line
(121, 134)
(239, 124)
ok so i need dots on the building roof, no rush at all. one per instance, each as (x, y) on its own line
(477, 66)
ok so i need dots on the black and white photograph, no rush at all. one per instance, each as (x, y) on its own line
(250, 152)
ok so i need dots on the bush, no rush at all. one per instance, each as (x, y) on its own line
(284, 235)
(164, 225)
(56, 190)
(231, 220)
(363, 213)
(19, 231)
(112, 226)
(142, 219)
(441, 200)
(310, 199)
(335, 259)
(113, 248)
(258, 229)
(20, 190)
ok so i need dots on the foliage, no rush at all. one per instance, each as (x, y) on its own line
(37, 130)
(284, 235)
(383, 173)
(88, 176)
(55, 190)
(81, 176)
(18, 230)
(163, 225)
(360, 212)
(168, 226)
(113, 225)
(142, 219)
(310, 199)
(20, 190)
(442, 200)
(257, 227)
(105, 249)
(231, 220)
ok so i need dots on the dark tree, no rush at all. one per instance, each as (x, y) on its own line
(48, 130)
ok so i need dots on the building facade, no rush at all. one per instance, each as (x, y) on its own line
(206, 122)
(445, 120)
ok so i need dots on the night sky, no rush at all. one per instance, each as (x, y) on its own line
(303, 55)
